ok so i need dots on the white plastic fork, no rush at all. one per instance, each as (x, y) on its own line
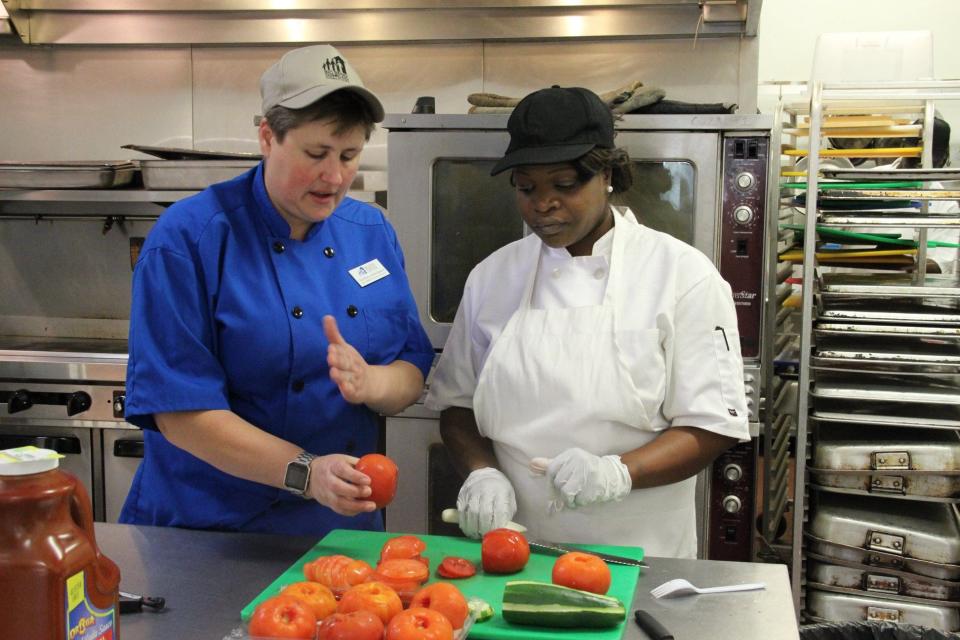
(681, 587)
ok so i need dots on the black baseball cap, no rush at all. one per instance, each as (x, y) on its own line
(555, 125)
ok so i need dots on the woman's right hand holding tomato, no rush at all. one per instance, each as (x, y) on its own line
(336, 484)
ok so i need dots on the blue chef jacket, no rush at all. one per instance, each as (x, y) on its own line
(227, 314)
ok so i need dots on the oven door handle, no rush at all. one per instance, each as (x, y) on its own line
(128, 448)
(60, 444)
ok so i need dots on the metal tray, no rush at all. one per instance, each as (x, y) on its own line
(891, 393)
(850, 577)
(901, 415)
(927, 219)
(66, 175)
(929, 175)
(904, 311)
(890, 352)
(190, 174)
(844, 607)
(918, 537)
(904, 462)
(176, 153)
(858, 329)
(888, 285)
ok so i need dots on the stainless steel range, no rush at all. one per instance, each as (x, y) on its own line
(68, 395)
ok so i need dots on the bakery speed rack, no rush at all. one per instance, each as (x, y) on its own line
(875, 338)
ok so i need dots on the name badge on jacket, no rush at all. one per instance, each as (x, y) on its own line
(369, 272)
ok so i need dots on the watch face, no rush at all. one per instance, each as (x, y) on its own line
(296, 477)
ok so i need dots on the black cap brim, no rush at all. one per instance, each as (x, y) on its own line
(542, 155)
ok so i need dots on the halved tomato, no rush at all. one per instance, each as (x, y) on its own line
(402, 570)
(403, 548)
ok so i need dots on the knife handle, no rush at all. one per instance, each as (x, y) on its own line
(651, 626)
(452, 516)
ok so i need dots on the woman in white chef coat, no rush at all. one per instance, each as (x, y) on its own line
(599, 351)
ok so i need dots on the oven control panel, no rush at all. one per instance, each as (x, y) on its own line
(732, 482)
(742, 228)
(29, 400)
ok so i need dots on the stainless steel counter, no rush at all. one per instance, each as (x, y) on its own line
(208, 577)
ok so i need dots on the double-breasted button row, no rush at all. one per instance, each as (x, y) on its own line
(352, 311)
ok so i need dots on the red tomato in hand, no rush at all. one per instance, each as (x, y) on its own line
(419, 624)
(283, 617)
(504, 551)
(356, 625)
(453, 567)
(383, 477)
(584, 571)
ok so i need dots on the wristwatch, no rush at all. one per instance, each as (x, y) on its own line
(297, 478)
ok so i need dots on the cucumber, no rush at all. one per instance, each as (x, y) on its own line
(550, 605)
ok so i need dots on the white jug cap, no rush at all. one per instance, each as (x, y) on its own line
(26, 460)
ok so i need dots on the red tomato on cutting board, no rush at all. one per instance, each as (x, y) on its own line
(283, 617)
(583, 571)
(383, 477)
(504, 551)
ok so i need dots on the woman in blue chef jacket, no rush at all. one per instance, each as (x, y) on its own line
(271, 321)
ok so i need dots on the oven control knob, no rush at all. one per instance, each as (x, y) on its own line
(732, 504)
(119, 400)
(745, 181)
(78, 402)
(732, 472)
(743, 214)
(19, 401)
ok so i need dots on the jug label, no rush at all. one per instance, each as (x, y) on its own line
(84, 620)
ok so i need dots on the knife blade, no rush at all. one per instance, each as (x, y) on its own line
(554, 549)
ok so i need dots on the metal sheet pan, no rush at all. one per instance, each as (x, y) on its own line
(886, 311)
(847, 329)
(850, 577)
(66, 175)
(880, 392)
(889, 353)
(929, 175)
(910, 416)
(918, 537)
(888, 285)
(175, 153)
(191, 174)
(844, 607)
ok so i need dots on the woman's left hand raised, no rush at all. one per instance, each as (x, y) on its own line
(348, 369)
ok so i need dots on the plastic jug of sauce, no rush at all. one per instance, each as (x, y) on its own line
(54, 582)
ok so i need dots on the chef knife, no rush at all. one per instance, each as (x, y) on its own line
(552, 548)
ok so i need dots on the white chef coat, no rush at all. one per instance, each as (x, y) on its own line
(675, 316)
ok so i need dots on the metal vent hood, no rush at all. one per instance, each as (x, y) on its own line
(224, 22)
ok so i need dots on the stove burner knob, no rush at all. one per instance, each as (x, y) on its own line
(78, 402)
(119, 400)
(19, 401)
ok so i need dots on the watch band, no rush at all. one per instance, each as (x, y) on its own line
(297, 476)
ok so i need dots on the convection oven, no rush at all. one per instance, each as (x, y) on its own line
(702, 179)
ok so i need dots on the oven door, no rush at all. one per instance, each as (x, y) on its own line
(675, 188)
(75, 444)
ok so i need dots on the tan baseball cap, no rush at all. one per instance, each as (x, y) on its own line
(303, 76)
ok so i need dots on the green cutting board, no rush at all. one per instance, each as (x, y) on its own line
(366, 545)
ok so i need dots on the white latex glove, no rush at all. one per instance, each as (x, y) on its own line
(486, 501)
(582, 478)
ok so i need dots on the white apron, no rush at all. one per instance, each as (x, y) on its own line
(554, 379)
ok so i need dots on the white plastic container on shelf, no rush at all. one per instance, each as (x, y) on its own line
(878, 56)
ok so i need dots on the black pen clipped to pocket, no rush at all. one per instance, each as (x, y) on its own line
(651, 626)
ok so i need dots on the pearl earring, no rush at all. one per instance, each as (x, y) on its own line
(609, 188)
